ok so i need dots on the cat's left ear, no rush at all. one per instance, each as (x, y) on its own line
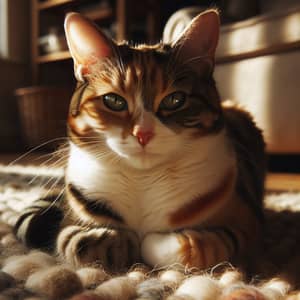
(197, 44)
(87, 43)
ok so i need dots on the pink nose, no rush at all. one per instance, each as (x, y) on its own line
(144, 137)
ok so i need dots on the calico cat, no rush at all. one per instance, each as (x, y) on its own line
(158, 170)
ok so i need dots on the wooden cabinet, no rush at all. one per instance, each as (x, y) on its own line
(112, 16)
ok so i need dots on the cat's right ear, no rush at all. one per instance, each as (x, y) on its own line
(86, 42)
(197, 44)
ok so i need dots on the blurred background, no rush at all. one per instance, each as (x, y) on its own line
(257, 64)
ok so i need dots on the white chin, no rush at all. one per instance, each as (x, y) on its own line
(138, 159)
(143, 161)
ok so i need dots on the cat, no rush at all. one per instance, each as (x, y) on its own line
(159, 170)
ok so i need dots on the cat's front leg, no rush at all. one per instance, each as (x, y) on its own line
(113, 248)
(191, 248)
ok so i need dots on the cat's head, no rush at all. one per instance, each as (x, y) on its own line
(143, 104)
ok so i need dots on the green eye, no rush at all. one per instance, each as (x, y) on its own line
(114, 102)
(173, 101)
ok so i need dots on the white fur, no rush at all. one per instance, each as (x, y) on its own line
(161, 249)
(146, 185)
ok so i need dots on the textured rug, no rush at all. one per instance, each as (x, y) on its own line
(32, 274)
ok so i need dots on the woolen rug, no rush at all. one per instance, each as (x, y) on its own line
(33, 274)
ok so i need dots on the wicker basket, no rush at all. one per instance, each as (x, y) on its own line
(43, 112)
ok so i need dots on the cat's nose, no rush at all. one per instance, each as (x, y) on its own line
(144, 137)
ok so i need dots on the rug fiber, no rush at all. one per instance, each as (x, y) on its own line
(32, 274)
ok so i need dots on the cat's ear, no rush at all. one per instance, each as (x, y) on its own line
(197, 44)
(86, 42)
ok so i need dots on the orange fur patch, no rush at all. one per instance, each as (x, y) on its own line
(78, 127)
(193, 210)
(192, 251)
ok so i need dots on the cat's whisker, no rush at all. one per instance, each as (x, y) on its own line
(34, 178)
(61, 149)
(56, 161)
(55, 200)
(34, 149)
(55, 182)
(48, 190)
(46, 164)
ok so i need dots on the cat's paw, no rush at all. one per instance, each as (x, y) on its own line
(189, 248)
(161, 249)
(114, 249)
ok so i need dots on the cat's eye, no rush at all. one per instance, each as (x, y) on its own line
(173, 101)
(114, 102)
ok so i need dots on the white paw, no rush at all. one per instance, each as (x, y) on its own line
(161, 249)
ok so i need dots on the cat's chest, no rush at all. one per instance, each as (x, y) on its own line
(147, 198)
(143, 199)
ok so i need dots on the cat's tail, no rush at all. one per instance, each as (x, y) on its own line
(38, 225)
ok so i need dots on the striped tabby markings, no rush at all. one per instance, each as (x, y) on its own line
(91, 209)
(204, 249)
(190, 212)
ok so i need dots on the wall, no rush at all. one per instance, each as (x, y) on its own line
(14, 73)
(268, 86)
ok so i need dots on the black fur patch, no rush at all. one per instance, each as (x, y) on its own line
(38, 226)
(94, 207)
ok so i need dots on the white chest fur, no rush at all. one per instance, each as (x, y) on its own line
(146, 198)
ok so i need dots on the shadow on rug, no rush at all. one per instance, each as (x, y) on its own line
(28, 274)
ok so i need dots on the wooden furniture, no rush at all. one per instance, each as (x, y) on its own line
(114, 16)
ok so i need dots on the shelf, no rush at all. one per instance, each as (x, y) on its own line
(52, 3)
(101, 14)
(274, 49)
(95, 14)
(53, 57)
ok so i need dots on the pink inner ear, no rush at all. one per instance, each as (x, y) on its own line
(86, 42)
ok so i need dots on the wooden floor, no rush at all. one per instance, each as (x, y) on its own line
(283, 182)
(274, 181)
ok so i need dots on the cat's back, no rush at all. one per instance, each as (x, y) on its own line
(242, 127)
(248, 142)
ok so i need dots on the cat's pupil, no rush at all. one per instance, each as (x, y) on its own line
(173, 101)
(114, 102)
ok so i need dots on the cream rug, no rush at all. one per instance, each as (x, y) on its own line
(32, 274)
